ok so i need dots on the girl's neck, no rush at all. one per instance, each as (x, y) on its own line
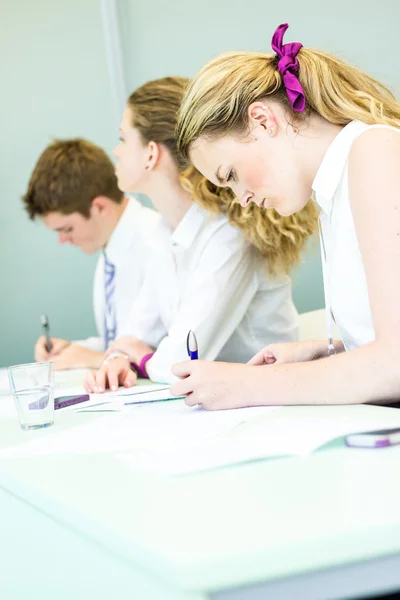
(169, 198)
(314, 142)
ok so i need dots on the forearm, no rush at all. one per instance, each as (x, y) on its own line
(77, 357)
(92, 359)
(368, 374)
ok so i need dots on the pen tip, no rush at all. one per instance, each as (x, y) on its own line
(192, 341)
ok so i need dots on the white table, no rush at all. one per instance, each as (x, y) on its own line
(322, 526)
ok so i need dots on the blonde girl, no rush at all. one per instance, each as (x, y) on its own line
(276, 129)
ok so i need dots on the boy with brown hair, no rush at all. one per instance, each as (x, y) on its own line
(73, 190)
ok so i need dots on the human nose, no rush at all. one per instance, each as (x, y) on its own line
(62, 237)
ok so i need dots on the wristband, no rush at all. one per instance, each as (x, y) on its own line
(141, 367)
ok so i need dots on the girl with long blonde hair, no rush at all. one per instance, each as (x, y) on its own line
(276, 129)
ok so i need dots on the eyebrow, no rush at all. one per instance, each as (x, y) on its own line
(218, 176)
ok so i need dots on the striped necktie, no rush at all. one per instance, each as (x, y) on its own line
(110, 321)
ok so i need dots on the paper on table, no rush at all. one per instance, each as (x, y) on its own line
(121, 391)
(278, 437)
(158, 425)
(174, 439)
(213, 454)
(137, 389)
(116, 401)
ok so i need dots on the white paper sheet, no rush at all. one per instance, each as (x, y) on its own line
(154, 392)
(133, 391)
(141, 426)
(266, 438)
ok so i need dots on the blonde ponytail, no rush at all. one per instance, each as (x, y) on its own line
(216, 101)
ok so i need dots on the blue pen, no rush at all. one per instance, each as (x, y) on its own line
(191, 345)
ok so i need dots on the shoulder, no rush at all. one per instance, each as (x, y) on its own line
(139, 213)
(149, 218)
(373, 170)
(221, 231)
(374, 143)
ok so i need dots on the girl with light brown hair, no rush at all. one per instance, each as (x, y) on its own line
(277, 129)
(233, 292)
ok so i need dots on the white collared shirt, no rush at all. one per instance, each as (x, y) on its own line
(346, 293)
(211, 281)
(128, 249)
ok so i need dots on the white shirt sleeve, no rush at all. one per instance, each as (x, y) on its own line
(216, 297)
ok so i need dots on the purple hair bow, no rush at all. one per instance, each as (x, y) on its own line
(288, 66)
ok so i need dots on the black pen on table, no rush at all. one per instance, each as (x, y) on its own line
(46, 330)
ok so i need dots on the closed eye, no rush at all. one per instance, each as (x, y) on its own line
(230, 176)
(63, 229)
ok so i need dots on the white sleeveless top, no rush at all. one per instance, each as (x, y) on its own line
(346, 294)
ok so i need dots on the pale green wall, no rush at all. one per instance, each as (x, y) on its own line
(54, 83)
